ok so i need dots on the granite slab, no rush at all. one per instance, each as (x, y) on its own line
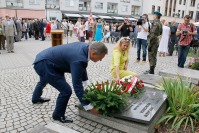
(144, 108)
(185, 73)
(140, 117)
(151, 79)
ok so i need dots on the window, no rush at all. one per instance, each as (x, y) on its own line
(135, 10)
(191, 14)
(158, 8)
(153, 8)
(52, 4)
(124, 8)
(99, 5)
(182, 13)
(34, 2)
(126, 1)
(193, 3)
(14, 3)
(112, 8)
(180, 2)
(70, 3)
(184, 2)
(165, 13)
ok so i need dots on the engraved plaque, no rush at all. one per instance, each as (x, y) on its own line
(144, 108)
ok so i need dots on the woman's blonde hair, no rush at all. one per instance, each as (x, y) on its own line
(122, 40)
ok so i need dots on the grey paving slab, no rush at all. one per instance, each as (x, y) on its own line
(18, 79)
(185, 73)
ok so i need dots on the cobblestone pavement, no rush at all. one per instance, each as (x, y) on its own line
(18, 79)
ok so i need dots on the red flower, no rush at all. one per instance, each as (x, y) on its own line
(133, 91)
(141, 81)
(139, 86)
(142, 85)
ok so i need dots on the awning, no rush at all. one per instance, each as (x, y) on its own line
(86, 16)
(120, 18)
(132, 19)
(105, 17)
(73, 15)
(31, 14)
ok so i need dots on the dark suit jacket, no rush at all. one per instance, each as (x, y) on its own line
(68, 58)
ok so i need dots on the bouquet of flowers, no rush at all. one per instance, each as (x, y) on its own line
(111, 97)
(132, 85)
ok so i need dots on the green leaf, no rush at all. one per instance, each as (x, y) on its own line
(179, 124)
(164, 118)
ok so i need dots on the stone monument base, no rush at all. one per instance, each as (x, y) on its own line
(125, 125)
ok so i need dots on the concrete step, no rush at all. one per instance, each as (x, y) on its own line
(60, 129)
(52, 128)
(185, 73)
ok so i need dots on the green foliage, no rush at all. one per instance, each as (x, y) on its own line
(195, 66)
(183, 104)
(106, 97)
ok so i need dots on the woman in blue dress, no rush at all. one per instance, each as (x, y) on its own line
(98, 33)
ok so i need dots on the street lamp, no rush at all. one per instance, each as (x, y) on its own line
(46, 8)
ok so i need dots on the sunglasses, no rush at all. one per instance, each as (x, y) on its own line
(125, 39)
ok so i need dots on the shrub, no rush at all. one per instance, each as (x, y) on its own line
(183, 104)
(195, 66)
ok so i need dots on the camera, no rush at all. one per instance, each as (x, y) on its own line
(140, 21)
(184, 32)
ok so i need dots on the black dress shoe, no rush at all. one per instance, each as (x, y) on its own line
(62, 119)
(41, 100)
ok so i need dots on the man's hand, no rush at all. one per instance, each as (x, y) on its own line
(95, 111)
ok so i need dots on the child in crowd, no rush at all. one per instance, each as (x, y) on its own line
(81, 34)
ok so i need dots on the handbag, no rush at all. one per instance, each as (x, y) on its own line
(195, 41)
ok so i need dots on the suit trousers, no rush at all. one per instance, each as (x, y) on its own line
(10, 43)
(45, 69)
(2, 42)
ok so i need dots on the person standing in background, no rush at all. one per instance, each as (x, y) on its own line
(9, 31)
(2, 38)
(19, 29)
(71, 28)
(172, 39)
(153, 41)
(164, 41)
(98, 34)
(25, 29)
(65, 27)
(186, 31)
(143, 32)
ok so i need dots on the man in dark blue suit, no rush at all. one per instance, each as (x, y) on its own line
(52, 63)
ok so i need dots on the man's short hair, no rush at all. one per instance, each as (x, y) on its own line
(99, 48)
(187, 16)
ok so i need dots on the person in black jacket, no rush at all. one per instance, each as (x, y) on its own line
(36, 29)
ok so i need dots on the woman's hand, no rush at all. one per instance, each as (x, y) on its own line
(117, 80)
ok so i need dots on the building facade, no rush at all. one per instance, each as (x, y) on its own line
(57, 9)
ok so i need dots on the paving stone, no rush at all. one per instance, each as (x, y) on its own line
(97, 130)
(18, 79)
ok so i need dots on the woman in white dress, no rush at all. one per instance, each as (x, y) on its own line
(163, 46)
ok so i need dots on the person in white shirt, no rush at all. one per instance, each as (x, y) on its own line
(53, 25)
(78, 25)
(143, 30)
(86, 29)
(65, 27)
(71, 27)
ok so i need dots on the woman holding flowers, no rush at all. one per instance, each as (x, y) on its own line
(119, 62)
